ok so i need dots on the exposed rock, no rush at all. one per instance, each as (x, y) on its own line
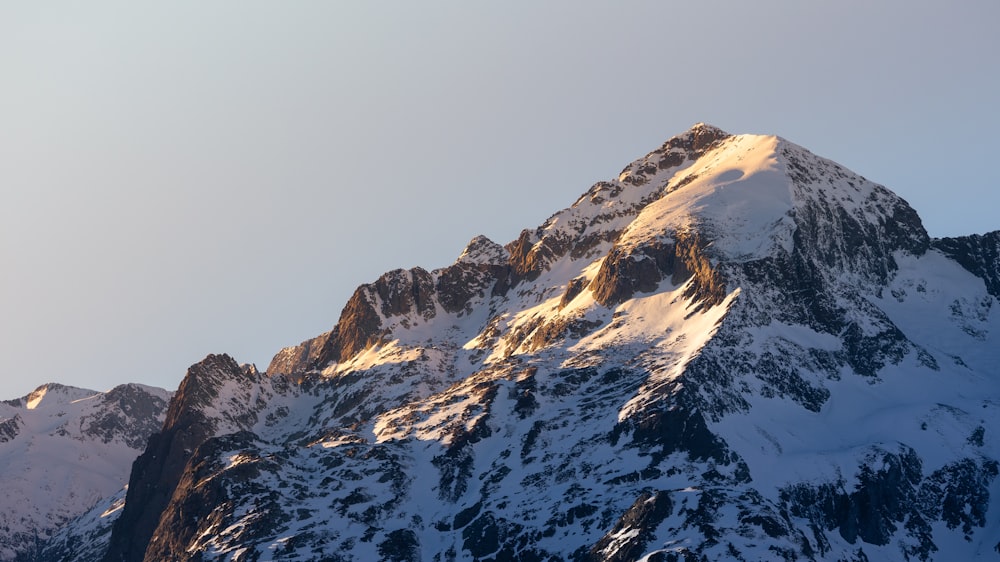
(893, 493)
(772, 366)
(635, 529)
(630, 270)
(156, 473)
(9, 428)
(197, 501)
(483, 251)
(403, 291)
(300, 358)
(133, 417)
(359, 327)
(980, 254)
(459, 284)
(530, 255)
(689, 146)
(573, 288)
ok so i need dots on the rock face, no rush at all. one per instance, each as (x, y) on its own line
(368, 316)
(978, 254)
(62, 449)
(736, 350)
(217, 396)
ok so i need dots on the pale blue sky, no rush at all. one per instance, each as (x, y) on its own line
(185, 178)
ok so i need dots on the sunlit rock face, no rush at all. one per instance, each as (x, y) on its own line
(736, 350)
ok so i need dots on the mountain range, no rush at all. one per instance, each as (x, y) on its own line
(735, 350)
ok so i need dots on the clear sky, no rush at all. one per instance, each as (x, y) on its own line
(184, 178)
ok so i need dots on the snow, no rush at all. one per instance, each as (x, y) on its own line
(738, 194)
(618, 539)
(504, 409)
(35, 398)
(116, 505)
(933, 411)
(52, 471)
(482, 250)
(945, 309)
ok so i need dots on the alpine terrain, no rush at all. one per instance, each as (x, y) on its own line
(736, 350)
(63, 449)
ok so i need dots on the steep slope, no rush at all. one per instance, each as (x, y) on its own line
(62, 449)
(736, 350)
(217, 397)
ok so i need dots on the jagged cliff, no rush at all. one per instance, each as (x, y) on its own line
(735, 350)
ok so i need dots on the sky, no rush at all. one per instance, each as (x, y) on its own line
(185, 178)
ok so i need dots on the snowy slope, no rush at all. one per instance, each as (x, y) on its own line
(736, 350)
(63, 449)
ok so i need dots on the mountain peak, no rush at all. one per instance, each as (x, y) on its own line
(687, 146)
(734, 338)
(705, 132)
(483, 251)
(704, 198)
(55, 394)
(62, 449)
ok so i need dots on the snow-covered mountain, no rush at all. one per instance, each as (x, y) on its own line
(63, 450)
(736, 350)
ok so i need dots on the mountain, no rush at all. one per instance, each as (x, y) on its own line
(64, 449)
(736, 350)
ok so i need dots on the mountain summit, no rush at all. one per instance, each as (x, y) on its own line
(64, 448)
(735, 350)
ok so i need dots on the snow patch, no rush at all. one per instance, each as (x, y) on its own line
(35, 398)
